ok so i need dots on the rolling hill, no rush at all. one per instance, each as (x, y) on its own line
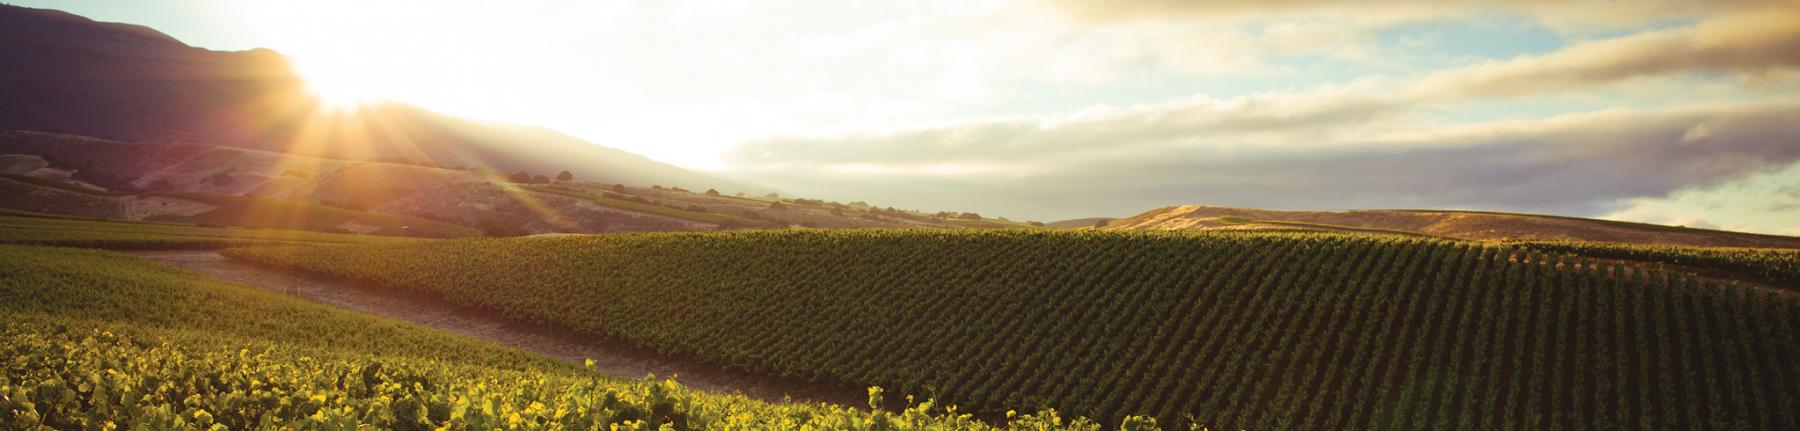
(64, 73)
(1476, 225)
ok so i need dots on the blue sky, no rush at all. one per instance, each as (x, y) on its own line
(1663, 111)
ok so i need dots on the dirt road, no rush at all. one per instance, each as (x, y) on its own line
(611, 358)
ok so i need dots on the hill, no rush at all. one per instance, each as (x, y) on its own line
(1077, 223)
(1476, 225)
(68, 74)
(161, 182)
(1239, 330)
(34, 229)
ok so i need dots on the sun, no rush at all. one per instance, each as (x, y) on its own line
(338, 85)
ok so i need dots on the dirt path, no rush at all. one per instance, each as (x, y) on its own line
(614, 359)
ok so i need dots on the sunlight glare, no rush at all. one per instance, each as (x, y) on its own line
(338, 85)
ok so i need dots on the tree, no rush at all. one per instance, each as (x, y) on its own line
(777, 206)
(1099, 223)
(712, 192)
(565, 176)
(618, 188)
(519, 177)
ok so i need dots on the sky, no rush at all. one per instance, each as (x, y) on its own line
(1665, 111)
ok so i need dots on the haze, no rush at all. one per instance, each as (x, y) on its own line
(1672, 112)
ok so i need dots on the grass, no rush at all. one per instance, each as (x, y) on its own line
(703, 217)
(990, 224)
(265, 213)
(1326, 227)
(59, 185)
(33, 229)
(1618, 223)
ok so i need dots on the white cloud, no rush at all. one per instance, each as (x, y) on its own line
(1135, 159)
(1765, 201)
(1371, 142)
(1565, 15)
(1749, 43)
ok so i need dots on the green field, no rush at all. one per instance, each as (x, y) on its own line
(17, 228)
(1239, 330)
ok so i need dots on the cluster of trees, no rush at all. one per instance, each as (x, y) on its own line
(957, 215)
(523, 177)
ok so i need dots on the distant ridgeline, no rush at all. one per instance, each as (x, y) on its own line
(1237, 330)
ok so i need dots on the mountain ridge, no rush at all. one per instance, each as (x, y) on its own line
(69, 74)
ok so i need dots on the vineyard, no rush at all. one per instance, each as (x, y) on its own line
(98, 340)
(1237, 330)
(56, 231)
(1778, 268)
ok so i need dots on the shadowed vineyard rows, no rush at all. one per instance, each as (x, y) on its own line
(1261, 331)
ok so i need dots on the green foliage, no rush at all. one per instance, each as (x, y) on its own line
(1776, 267)
(1246, 330)
(57, 231)
(98, 340)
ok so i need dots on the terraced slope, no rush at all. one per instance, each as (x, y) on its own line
(1239, 330)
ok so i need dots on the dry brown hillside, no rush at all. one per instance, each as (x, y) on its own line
(1457, 224)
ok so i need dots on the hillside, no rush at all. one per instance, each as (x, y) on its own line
(159, 182)
(1239, 330)
(32, 229)
(1454, 224)
(67, 74)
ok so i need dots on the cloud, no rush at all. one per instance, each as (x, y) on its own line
(1565, 15)
(1747, 43)
(1766, 202)
(1364, 144)
(1251, 154)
